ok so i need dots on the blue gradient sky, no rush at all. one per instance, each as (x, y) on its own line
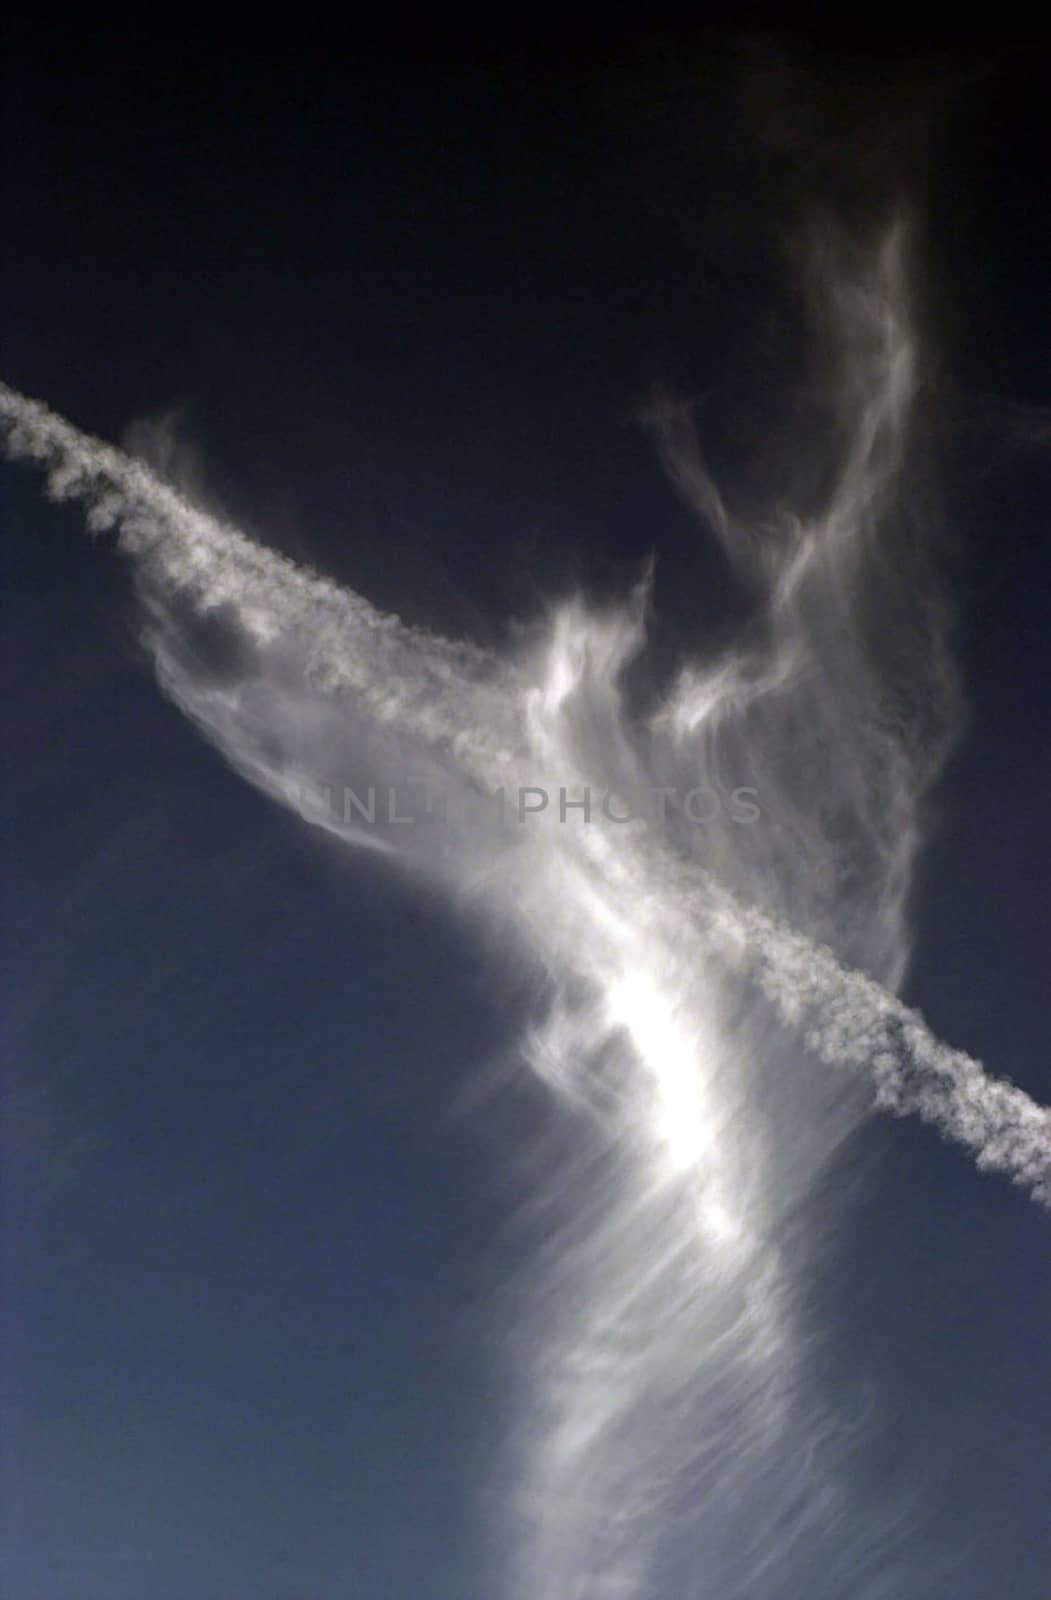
(261, 1223)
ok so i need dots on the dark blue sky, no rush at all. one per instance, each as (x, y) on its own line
(407, 299)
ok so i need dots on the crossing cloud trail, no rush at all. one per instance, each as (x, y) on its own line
(718, 984)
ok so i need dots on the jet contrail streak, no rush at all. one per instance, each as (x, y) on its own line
(459, 699)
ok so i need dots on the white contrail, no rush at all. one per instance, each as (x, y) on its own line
(677, 961)
(457, 698)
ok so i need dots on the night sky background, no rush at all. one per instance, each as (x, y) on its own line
(404, 299)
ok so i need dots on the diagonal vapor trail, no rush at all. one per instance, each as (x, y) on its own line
(462, 701)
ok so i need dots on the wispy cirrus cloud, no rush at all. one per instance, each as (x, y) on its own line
(719, 1005)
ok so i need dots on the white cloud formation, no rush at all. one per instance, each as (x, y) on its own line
(720, 999)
